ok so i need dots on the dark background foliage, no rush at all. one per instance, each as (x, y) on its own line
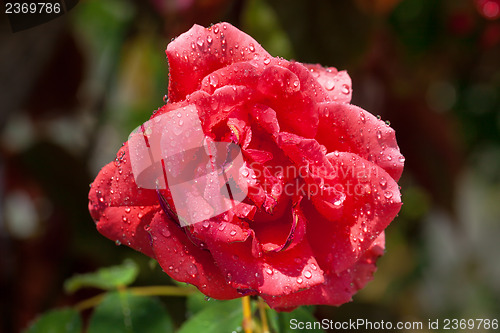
(73, 89)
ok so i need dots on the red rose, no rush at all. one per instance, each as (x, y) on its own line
(318, 177)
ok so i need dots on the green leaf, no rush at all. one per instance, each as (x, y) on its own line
(221, 317)
(123, 312)
(57, 321)
(105, 278)
(299, 320)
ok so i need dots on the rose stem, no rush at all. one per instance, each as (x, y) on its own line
(263, 317)
(247, 314)
(142, 291)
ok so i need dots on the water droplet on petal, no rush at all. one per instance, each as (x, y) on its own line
(388, 194)
(251, 47)
(299, 280)
(192, 270)
(307, 274)
(233, 232)
(165, 232)
(330, 85)
(267, 61)
(118, 243)
(269, 271)
(127, 210)
(345, 89)
(213, 81)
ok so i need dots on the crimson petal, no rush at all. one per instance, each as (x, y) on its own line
(184, 261)
(200, 51)
(348, 128)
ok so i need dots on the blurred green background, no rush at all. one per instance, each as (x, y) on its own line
(74, 88)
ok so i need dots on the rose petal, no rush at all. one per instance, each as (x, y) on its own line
(237, 74)
(200, 51)
(272, 274)
(313, 166)
(372, 202)
(185, 262)
(336, 84)
(309, 85)
(348, 128)
(266, 118)
(216, 108)
(294, 108)
(337, 288)
(119, 208)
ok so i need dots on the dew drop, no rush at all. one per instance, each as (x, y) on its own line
(213, 81)
(345, 89)
(251, 47)
(307, 274)
(216, 30)
(287, 290)
(379, 134)
(222, 226)
(313, 266)
(388, 194)
(127, 210)
(165, 98)
(192, 270)
(269, 271)
(118, 243)
(244, 173)
(299, 280)
(401, 159)
(330, 85)
(233, 232)
(362, 116)
(209, 40)
(165, 232)
(267, 61)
